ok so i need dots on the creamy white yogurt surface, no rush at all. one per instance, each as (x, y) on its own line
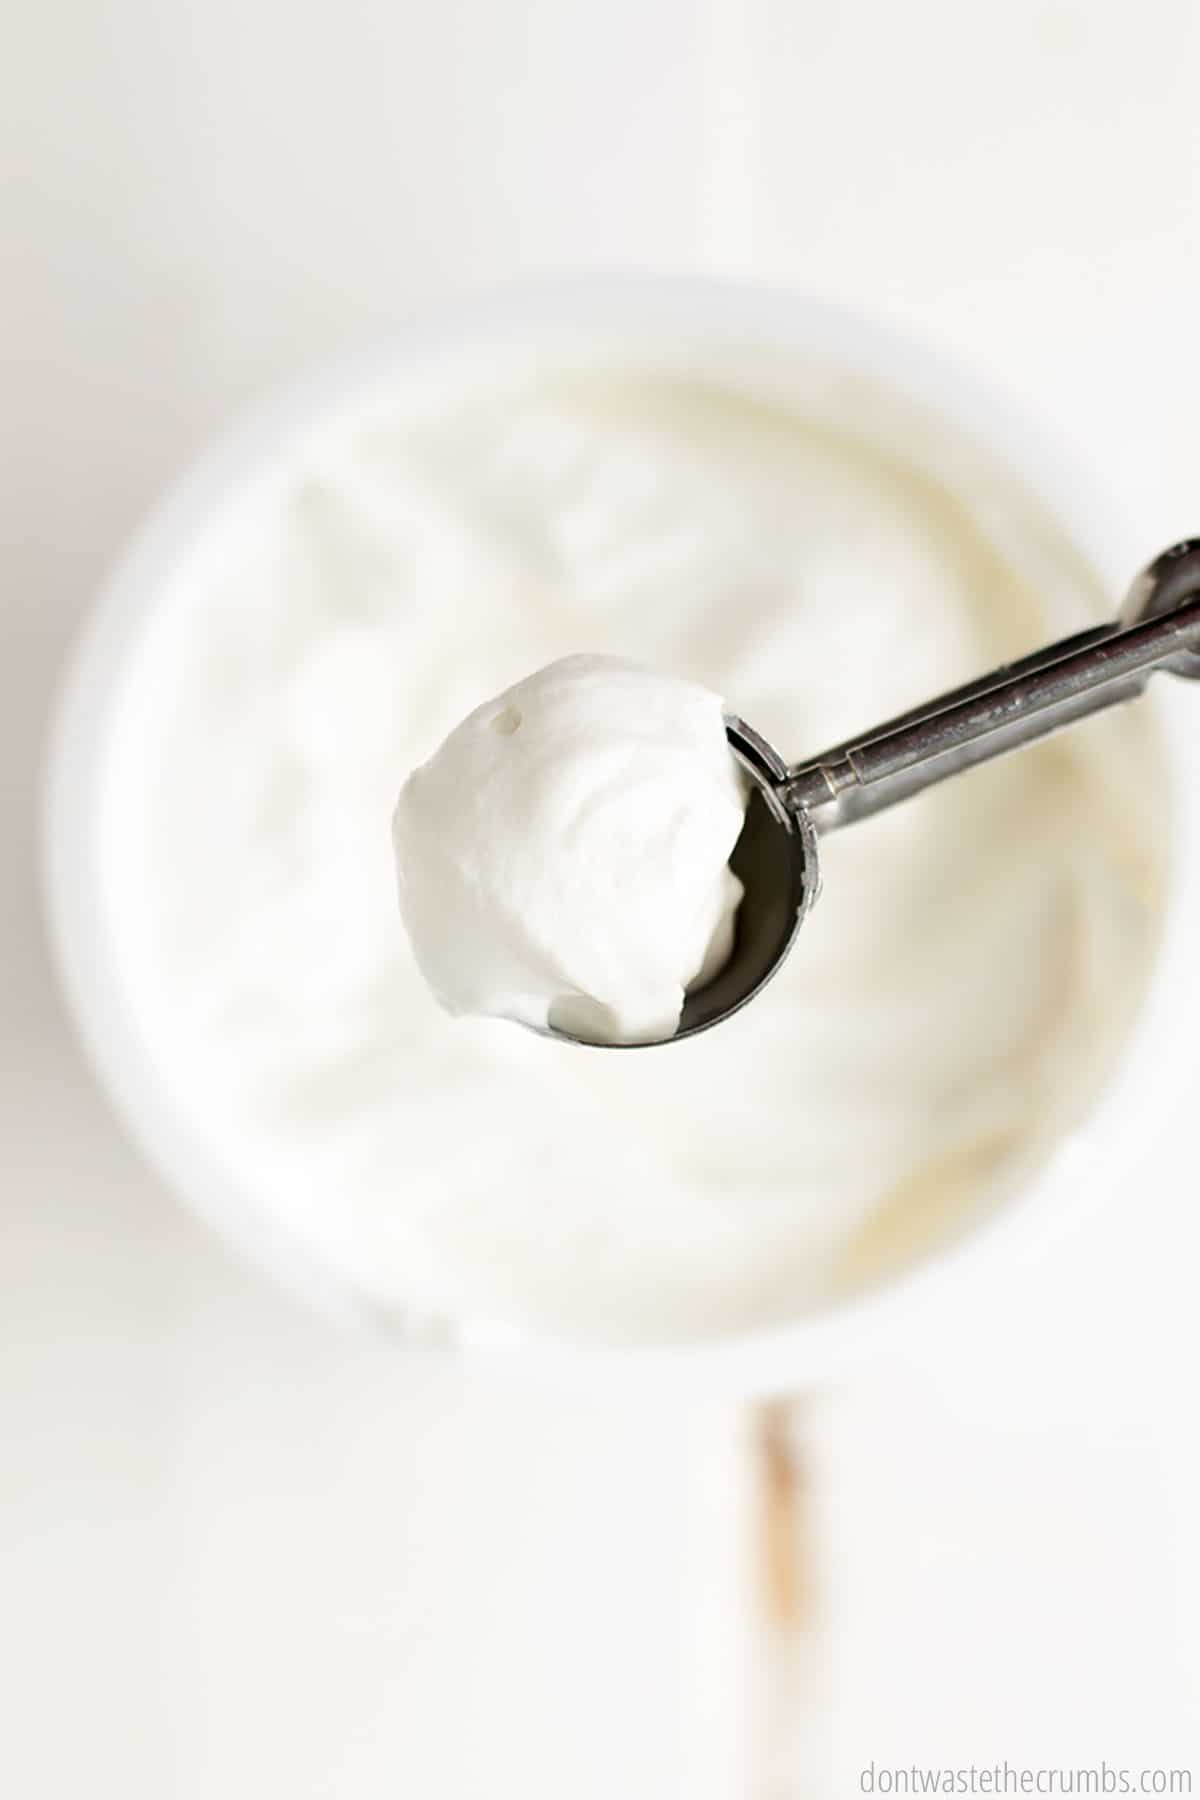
(952, 1003)
(563, 859)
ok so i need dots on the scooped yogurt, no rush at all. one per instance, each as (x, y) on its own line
(818, 563)
(563, 859)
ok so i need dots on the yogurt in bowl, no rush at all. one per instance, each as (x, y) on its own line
(767, 499)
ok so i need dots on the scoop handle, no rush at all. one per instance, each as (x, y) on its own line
(1015, 704)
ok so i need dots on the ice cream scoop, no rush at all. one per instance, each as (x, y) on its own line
(583, 856)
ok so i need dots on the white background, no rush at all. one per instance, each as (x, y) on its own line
(243, 1556)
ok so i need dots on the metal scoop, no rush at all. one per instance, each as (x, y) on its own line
(791, 806)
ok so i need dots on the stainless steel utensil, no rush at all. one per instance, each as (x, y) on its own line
(791, 806)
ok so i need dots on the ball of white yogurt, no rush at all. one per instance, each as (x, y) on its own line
(563, 858)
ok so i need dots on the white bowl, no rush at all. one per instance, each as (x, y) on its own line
(1139, 1102)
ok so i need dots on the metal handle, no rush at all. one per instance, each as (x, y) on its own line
(1014, 705)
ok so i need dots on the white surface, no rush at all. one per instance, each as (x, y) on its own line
(216, 1513)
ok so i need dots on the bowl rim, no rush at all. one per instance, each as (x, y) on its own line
(1089, 1161)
